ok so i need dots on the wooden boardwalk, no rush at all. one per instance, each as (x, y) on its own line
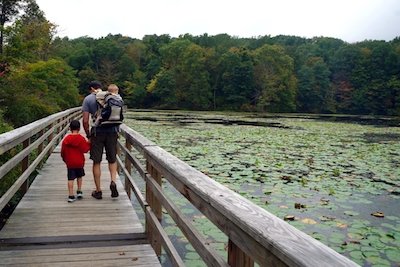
(46, 230)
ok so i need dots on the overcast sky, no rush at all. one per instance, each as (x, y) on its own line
(349, 20)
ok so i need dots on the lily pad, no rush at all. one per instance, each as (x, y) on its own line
(378, 214)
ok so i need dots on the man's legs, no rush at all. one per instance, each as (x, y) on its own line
(96, 154)
(96, 175)
(112, 167)
(113, 173)
(111, 153)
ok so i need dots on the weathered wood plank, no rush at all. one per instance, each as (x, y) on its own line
(136, 139)
(76, 232)
(166, 242)
(274, 235)
(208, 254)
(133, 255)
(130, 184)
(50, 214)
(14, 188)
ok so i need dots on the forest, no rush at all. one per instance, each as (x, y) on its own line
(41, 73)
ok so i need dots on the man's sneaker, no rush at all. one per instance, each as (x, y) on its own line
(71, 199)
(113, 188)
(79, 194)
(97, 194)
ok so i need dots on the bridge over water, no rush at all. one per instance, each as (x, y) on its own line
(45, 230)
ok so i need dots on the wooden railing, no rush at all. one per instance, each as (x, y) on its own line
(32, 144)
(254, 235)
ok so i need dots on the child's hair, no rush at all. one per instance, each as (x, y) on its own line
(113, 88)
(74, 125)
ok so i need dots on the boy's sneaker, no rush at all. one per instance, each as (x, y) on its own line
(97, 194)
(79, 194)
(71, 199)
(113, 188)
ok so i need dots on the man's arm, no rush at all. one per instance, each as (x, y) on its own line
(85, 122)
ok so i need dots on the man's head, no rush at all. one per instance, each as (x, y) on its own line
(74, 125)
(94, 85)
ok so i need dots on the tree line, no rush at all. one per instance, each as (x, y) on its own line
(41, 73)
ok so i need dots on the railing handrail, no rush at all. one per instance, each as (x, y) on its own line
(14, 137)
(260, 235)
(44, 132)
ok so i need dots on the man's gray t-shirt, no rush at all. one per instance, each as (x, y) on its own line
(90, 105)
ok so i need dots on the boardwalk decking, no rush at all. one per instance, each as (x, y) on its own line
(46, 230)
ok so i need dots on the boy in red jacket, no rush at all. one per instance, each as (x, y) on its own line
(73, 148)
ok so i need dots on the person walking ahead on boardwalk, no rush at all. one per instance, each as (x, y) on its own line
(101, 137)
(73, 148)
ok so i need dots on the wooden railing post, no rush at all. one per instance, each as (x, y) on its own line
(128, 166)
(51, 136)
(155, 205)
(119, 155)
(237, 258)
(40, 147)
(24, 166)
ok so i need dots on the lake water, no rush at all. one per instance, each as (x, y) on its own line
(338, 176)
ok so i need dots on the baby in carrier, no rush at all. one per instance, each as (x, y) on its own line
(110, 106)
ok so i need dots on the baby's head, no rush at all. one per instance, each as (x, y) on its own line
(112, 88)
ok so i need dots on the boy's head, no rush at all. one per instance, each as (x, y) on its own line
(112, 88)
(74, 125)
(94, 85)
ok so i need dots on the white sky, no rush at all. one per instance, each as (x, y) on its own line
(349, 20)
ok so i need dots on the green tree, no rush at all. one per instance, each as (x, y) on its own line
(237, 79)
(30, 36)
(315, 93)
(4, 126)
(347, 63)
(152, 58)
(184, 68)
(9, 9)
(36, 90)
(163, 89)
(274, 79)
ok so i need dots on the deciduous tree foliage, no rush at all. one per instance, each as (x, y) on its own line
(315, 91)
(275, 80)
(32, 85)
(8, 10)
(221, 72)
(39, 89)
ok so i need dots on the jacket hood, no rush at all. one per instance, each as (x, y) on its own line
(71, 141)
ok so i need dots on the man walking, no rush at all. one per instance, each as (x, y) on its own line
(101, 137)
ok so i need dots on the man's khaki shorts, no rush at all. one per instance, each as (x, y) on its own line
(99, 141)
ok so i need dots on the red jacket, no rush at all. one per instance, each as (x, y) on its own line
(73, 148)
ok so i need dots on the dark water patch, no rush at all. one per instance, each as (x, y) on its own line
(381, 137)
(382, 121)
(186, 120)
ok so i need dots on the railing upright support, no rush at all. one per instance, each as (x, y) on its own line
(24, 166)
(128, 166)
(40, 147)
(237, 258)
(156, 207)
(51, 136)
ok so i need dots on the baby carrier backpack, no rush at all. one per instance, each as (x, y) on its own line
(109, 109)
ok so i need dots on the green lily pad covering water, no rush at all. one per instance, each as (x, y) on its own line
(330, 176)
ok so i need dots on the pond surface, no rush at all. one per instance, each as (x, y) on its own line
(335, 178)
